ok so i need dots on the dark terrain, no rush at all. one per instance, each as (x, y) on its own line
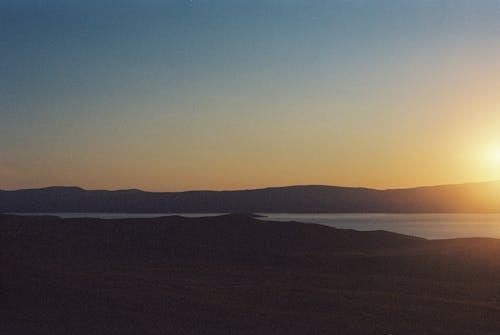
(472, 198)
(235, 274)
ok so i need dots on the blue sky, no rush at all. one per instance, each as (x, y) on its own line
(233, 94)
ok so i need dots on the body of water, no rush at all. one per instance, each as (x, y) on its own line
(432, 226)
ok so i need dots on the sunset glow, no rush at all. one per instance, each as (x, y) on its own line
(493, 157)
(180, 95)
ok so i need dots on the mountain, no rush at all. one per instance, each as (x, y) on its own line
(471, 197)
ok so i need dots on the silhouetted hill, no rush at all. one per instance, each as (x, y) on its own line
(234, 235)
(234, 274)
(474, 197)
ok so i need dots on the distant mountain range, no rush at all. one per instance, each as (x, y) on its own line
(461, 198)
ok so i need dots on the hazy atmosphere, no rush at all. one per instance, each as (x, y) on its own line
(176, 95)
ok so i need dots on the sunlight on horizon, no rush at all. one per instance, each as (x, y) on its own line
(491, 157)
(495, 156)
(182, 95)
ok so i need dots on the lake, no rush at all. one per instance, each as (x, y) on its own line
(432, 226)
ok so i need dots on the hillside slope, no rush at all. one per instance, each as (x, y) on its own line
(236, 274)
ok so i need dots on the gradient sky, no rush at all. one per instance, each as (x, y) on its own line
(177, 95)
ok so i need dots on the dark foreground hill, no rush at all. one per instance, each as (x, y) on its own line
(478, 197)
(238, 275)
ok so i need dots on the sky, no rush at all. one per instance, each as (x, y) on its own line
(234, 94)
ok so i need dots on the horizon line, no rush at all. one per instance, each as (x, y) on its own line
(249, 189)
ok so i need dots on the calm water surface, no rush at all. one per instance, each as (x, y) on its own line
(433, 226)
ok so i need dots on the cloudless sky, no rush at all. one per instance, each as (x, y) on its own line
(229, 94)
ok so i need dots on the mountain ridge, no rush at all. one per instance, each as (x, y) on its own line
(74, 187)
(483, 197)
